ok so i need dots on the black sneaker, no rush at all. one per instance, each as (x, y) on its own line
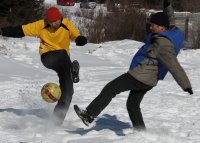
(83, 115)
(75, 71)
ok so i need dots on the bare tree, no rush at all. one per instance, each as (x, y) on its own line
(168, 9)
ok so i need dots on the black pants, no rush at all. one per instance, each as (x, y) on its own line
(123, 83)
(60, 62)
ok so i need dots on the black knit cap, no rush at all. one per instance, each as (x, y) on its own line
(160, 18)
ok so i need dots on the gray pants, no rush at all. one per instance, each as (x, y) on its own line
(60, 62)
(122, 83)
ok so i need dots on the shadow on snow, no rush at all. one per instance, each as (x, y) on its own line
(22, 112)
(106, 122)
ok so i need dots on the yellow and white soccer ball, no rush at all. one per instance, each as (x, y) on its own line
(51, 92)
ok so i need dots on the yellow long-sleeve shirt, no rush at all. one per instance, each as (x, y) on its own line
(51, 39)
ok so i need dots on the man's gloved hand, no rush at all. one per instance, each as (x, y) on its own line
(189, 90)
(81, 41)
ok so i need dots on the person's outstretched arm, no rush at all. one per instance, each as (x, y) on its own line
(167, 55)
(16, 31)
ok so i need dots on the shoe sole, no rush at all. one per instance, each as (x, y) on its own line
(75, 71)
(78, 111)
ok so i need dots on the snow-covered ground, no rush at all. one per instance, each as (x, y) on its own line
(171, 115)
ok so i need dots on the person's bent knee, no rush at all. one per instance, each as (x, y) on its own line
(111, 89)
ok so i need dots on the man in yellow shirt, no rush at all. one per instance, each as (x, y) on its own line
(55, 33)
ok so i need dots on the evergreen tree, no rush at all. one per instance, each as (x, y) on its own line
(15, 12)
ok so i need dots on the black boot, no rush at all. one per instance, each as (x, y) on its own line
(83, 115)
(75, 71)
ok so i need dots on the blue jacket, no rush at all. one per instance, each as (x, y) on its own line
(175, 36)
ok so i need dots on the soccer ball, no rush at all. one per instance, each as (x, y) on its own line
(51, 92)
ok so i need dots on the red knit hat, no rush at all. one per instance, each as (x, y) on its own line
(53, 14)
